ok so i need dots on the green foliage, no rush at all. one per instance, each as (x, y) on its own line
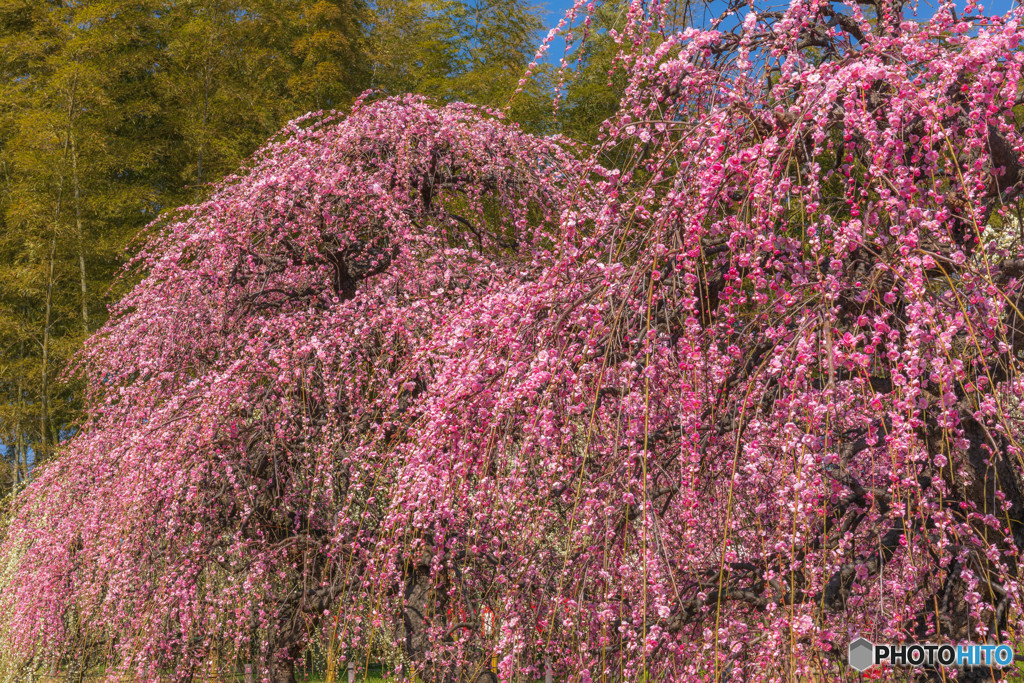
(596, 77)
(460, 50)
(234, 71)
(596, 82)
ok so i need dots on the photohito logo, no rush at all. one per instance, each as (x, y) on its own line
(864, 654)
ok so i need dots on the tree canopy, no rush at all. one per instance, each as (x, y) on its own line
(416, 375)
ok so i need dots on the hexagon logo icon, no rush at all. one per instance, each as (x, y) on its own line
(861, 654)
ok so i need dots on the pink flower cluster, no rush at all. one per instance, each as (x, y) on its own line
(416, 375)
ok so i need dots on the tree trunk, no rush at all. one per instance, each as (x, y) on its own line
(19, 458)
(44, 399)
(282, 668)
(81, 239)
(44, 388)
(206, 119)
(284, 673)
(285, 650)
(20, 450)
(9, 449)
(412, 630)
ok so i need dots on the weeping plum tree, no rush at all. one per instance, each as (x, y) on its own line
(707, 415)
(233, 482)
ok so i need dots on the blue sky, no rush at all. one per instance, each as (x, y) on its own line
(554, 10)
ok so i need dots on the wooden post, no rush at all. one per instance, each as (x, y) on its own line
(547, 670)
(351, 671)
